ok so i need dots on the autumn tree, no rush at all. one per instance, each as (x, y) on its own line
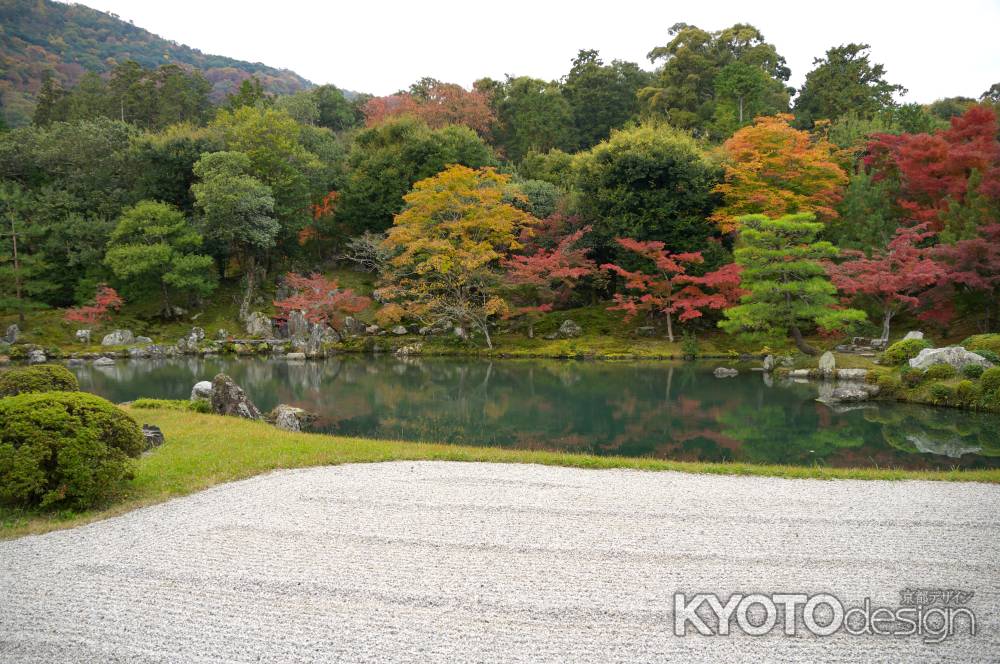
(436, 103)
(447, 245)
(106, 299)
(971, 278)
(540, 281)
(897, 280)
(786, 284)
(775, 169)
(321, 300)
(665, 286)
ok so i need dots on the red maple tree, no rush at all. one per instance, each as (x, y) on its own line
(668, 288)
(440, 104)
(971, 268)
(106, 299)
(321, 300)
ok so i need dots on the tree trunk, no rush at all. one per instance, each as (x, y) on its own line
(670, 328)
(485, 327)
(886, 319)
(800, 343)
(247, 301)
(531, 330)
(741, 109)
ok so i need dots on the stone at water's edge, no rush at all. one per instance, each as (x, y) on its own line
(103, 362)
(12, 334)
(769, 363)
(83, 336)
(36, 357)
(228, 398)
(955, 356)
(118, 338)
(202, 391)
(295, 356)
(399, 330)
(852, 375)
(258, 324)
(827, 364)
(725, 372)
(289, 418)
(298, 326)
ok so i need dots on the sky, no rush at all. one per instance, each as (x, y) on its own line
(935, 50)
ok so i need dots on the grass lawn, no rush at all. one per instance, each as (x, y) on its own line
(204, 450)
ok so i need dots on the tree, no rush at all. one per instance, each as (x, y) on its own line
(106, 299)
(532, 115)
(741, 93)
(335, 111)
(774, 169)
(649, 183)
(664, 286)
(436, 103)
(866, 216)
(237, 213)
(321, 300)
(23, 274)
(971, 276)
(541, 280)
(602, 97)
(154, 244)
(250, 94)
(785, 280)
(845, 80)
(897, 279)
(447, 245)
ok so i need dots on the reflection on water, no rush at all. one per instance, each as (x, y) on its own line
(659, 409)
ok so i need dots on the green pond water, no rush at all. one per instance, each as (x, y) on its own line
(649, 409)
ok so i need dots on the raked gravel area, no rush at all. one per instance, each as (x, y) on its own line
(470, 562)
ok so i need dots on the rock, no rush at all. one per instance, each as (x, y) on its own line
(852, 375)
(153, 436)
(289, 418)
(460, 333)
(827, 364)
(135, 353)
(399, 330)
(769, 363)
(569, 329)
(83, 336)
(118, 338)
(258, 324)
(74, 362)
(913, 334)
(409, 349)
(551, 336)
(798, 373)
(956, 356)
(295, 356)
(353, 327)
(221, 334)
(372, 330)
(787, 361)
(13, 332)
(202, 391)
(4, 360)
(104, 362)
(319, 335)
(850, 394)
(298, 327)
(36, 357)
(725, 372)
(646, 331)
(228, 398)
(143, 340)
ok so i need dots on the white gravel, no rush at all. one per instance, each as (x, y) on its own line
(471, 562)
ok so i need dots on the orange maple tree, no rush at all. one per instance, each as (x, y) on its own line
(105, 300)
(441, 104)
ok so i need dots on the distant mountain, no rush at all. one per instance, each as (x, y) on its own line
(69, 39)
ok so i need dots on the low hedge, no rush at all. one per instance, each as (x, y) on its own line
(67, 449)
(901, 351)
(37, 378)
(990, 381)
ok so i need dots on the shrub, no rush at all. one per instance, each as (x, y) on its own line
(39, 378)
(64, 448)
(199, 406)
(981, 342)
(990, 381)
(973, 371)
(989, 356)
(942, 393)
(912, 377)
(966, 391)
(888, 384)
(901, 351)
(940, 372)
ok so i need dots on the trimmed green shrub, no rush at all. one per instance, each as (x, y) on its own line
(981, 342)
(901, 351)
(888, 384)
(990, 380)
(64, 448)
(941, 372)
(973, 371)
(199, 406)
(966, 391)
(942, 393)
(38, 378)
(988, 355)
(912, 377)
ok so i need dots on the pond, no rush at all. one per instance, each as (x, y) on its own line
(671, 410)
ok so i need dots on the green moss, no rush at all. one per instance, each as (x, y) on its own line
(200, 406)
(37, 378)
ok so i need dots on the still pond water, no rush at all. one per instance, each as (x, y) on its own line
(655, 409)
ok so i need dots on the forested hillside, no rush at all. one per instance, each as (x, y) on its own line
(39, 36)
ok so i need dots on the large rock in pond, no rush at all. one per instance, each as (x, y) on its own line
(298, 326)
(202, 391)
(228, 398)
(955, 356)
(104, 362)
(353, 327)
(827, 364)
(850, 394)
(258, 324)
(289, 418)
(725, 372)
(118, 338)
(11, 335)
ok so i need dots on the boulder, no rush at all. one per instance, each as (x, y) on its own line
(725, 372)
(569, 329)
(798, 373)
(769, 363)
(460, 333)
(787, 361)
(36, 357)
(956, 356)
(74, 362)
(295, 356)
(372, 330)
(399, 330)
(913, 334)
(852, 375)
(409, 349)
(298, 327)
(202, 391)
(289, 418)
(104, 362)
(353, 327)
(319, 335)
(258, 324)
(152, 435)
(10, 337)
(827, 364)
(228, 398)
(850, 393)
(143, 340)
(221, 334)
(83, 336)
(118, 338)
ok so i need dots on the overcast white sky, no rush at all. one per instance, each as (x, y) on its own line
(935, 49)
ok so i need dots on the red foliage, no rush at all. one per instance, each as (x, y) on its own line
(969, 266)
(669, 289)
(444, 104)
(326, 207)
(320, 299)
(105, 300)
(933, 170)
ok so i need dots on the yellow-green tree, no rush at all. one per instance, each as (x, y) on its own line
(447, 245)
(774, 169)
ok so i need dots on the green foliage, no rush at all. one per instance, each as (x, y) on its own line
(64, 448)
(940, 372)
(37, 378)
(786, 283)
(966, 392)
(941, 392)
(912, 377)
(868, 219)
(536, 197)
(197, 406)
(602, 97)
(901, 351)
(845, 80)
(990, 381)
(973, 371)
(989, 355)
(980, 342)
(532, 116)
(689, 344)
(888, 383)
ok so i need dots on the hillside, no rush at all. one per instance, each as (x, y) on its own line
(69, 39)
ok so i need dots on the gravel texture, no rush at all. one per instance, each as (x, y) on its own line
(454, 562)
